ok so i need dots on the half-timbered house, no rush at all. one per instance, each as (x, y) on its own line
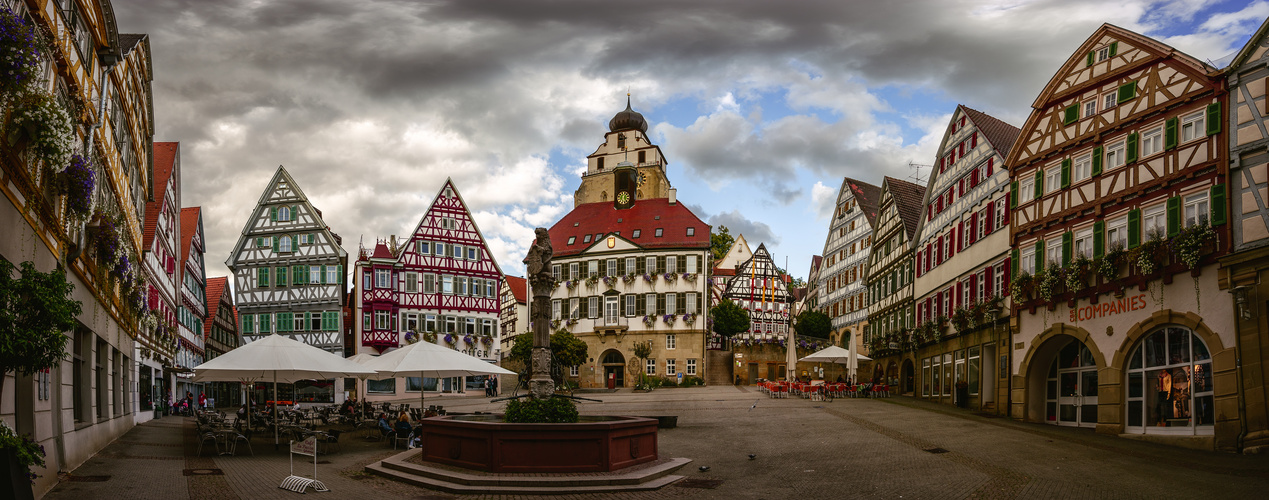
(962, 266)
(1120, 322)
(220, 332)
(83, 402)
(759, 288)
(889, 276)
(1247, 266)
(440, 284)
(842, 294)
(160, 263)
(288, 270)
(514, 318)
(725, 267)
(192, 308)
(629, 260)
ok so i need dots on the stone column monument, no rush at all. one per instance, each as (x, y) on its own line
(538, 267)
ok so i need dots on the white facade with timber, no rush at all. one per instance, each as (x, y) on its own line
(439, 284)
(1121, 178)
(759, 288)
(288, 269)
(890, 272)
(842, 291)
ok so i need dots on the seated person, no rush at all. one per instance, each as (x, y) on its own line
(416, 438)
(403, 427)
(384, 427)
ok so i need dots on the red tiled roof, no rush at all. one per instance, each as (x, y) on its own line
(215, 289)
(381, 252)
(164, 163)
(647, 216)
(868, 196)
(907, 198)
(518, 289)
(189, 226)
(1001, 135)
(719, 271)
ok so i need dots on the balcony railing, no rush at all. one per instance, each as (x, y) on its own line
(617, 322)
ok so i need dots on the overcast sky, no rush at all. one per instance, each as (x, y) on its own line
(761, 107)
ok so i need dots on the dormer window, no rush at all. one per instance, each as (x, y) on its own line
(691, 231)
(572, 239)
(586, 239)
(636, 233)
(659, 232)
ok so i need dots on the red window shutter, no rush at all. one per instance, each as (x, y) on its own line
(973, 288)
(961, 148)
(960, 289)
(938, 251)
(1004, 283)
(960, 187)
(973, 142)
(962, 120)
(1005, 220)
(973, 229)
(987, 273)
(973, 178)
(991, 209)
(989, 162)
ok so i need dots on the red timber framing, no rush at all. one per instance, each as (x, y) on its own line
(443, 269)
(1122, 139)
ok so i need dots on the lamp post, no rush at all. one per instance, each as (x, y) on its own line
(994, 311)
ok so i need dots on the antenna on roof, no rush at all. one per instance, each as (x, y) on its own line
(916, 176)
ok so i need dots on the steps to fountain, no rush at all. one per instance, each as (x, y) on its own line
(644, 477)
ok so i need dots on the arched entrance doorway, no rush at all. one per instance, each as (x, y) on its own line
(614, 368)
(892, 373)
(907, 382)
(1169, 384)
(1062, 383)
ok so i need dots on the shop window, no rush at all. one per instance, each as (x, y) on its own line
(1169, 385)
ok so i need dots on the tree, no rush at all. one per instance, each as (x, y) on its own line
(720, 242)
(566, 350)
(642, 351)
(729, 318)
(813, 324)
(36, 310)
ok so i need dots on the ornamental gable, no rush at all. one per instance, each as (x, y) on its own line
(448, 222)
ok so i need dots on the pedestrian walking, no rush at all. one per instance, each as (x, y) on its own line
(202, 400)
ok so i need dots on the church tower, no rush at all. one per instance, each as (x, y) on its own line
(627, 167)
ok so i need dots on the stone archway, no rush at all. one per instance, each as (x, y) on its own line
(1036, 369)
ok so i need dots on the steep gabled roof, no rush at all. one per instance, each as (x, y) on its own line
(217, 288)
(189, 227)
(449, 184)
(1244, 55)
(736, 254)
(647, 216)
(127, 41)
(519, 289)
(999, 134)
(907, 199)
(381, 252)
(164, 164)
(869, 197)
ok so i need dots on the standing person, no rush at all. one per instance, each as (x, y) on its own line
(202, 400)
(189, 402)
(486, 386)
(494, 386)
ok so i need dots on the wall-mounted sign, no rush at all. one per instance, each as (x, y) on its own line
(612, 241)
(1103, 309)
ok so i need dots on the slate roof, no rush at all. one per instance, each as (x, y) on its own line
(127, 41)
(164, 164)
(215, 288)
(907, 198)
(518, 289)
(601, 218)
(1001, 135)
(381, 252)
(189, 226)
(868, 196)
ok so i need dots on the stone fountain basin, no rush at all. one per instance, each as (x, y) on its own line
(485, 442)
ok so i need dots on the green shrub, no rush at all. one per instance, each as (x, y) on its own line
(692, 381)
(549, 411)
(669, 382)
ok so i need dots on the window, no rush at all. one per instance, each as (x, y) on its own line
(1109, 100)
(1117, 233)
(650, 265)
(592, 268)
(671, 300)
(1082, 169)
(1115, 155)
(1026, 189)
(1151, 141)
(471, 326)
(671, 263)
(572, 271)
(438, 249)
(332, 275)
(650, 308)
(592, 307)
(691, 303)
(1193, 126)
(1090, 108)
(651, 367)
(1053, 252)
(458, 251)
(284, 214)
(1027, 265)
(447, 285)
(691, 367)
(611, 268)
(572, 239)
(1169, 385)
(381, 320)
(383, 278)
(422, 248)
(574, 307)
(630, 305)
(659, 232)
(1154, 219)
(284, 244)
(1084, 243)
(586, 239)
(555, 309)
(1000, 214)
(1196, 209)
(670, 369)
(998, 280)
(473, 253)
(555, 271)
(298, 322)
(1052, 179)
(315, 321)
(572, 370)
(462, 286)
(691, 231)
(636, 233)
(630, 265)
(670, 342)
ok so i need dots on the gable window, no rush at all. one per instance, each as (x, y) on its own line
(1117, 233)
(284, 213)
(1151, 141)
(1026, 189)
(458, 251)
(1052, 179)
(1090, 108)
(1193, 126)
(1084, 243)
(691, 231)
(284, 244)
(1196, 209)
(659, 232)
(473, 253)
(422, 248)
(1154, 219)
(1103, 53)
(439, 249)
(1115, 155)
(383, 278)
(1083, 168)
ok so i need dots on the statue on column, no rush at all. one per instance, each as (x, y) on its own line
(542, 283)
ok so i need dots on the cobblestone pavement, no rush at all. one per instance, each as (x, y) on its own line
(848, 448)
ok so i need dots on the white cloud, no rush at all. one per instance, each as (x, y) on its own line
(823, 200)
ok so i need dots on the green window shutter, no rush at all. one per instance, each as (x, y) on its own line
(298, 276)
(1174, 216)
(1169, 133)
(273, 214)
(259, 242)
(1039, 255)
(323, 277)
(1071, 114)
(295, 243)
(1218, 204)
(1090, 59)
(339, 280)
(1039, 184)
(1066, 173)
(280, 278)
(248, 323)
(263, 277)
(295, 213)
(275, 243)
(1213, 118)
(1013, 262)
(1013, 194)
(1127, 91)
(1099, 239)
(1114, 49)
(1068, 243)
(1098, 152)
(1134, 228)
(1133, 148)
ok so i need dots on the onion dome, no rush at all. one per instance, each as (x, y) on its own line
(628, 119)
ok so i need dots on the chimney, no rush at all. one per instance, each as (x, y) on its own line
(674, 196)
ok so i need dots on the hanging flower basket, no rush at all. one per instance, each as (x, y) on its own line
(1109, 265)
(592, 280)
(689, 318)
(649, 320)
(430, 337)
(20, 49)
(629, 278)
(46, 125)
(690, 277)
(610, 281)
(1189, 246)
(468, 340)
(1048, 281)
(670, 277)
(649, 278)
(449, 338)
(668, 319)
(411, 337)
(570, 284)
(77, 182)
(1076, 274)
(1022, 286)
(1150, 254)
(486, 339)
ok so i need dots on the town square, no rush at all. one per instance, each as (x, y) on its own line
(824, 249)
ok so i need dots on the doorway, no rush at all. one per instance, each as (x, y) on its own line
(614, 365)
(990, 376)
(908, 378)
(1071, 387)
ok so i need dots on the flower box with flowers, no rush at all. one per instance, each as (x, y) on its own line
(592, 280)
(668, 319)
(649, 320)
(449, 338)
(486, 339)
(629, 278)
(649, 278)
(570, 321)
(467, 339)
(77, 182)
(610, 281)
(411, 337)
(689, 318)
(429, 337)
(670, 277)
(570, 284)
(690, 277)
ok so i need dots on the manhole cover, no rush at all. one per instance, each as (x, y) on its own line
(204, 472)
(87, 479)
(935, 450)
(705, 484)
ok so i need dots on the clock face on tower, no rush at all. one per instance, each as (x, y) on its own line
(623, 198)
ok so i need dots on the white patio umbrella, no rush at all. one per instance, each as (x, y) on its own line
(279, 358)
(833, 354)
(362, 359)
(425, 359)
